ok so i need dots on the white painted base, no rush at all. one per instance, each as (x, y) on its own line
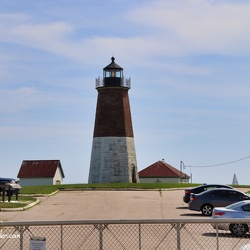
(113, 160)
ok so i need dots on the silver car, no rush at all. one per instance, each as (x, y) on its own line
(238, 210)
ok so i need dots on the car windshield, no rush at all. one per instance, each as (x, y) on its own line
(231, 206)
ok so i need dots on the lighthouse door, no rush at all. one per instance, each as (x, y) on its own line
(134, 179)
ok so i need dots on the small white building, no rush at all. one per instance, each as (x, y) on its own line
(160, 171)
(40, 172)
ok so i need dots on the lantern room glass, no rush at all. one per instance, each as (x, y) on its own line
(113, 73)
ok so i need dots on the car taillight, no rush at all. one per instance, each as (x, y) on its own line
(187, 192)
(218, 213)
(193, 198)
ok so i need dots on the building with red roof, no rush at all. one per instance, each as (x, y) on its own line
(160, 171)
(40, 172)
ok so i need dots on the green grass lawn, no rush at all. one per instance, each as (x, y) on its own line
(21, 202)
(52, 188)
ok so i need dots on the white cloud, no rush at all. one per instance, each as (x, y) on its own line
(197, 26)
(239, 92)
(48, 37)
(41, 33)
(27, 98)
(7, 20)
(173, 28)
(160, 28)
(42, 131)
(17, 99)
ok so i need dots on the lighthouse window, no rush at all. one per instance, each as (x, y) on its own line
(118, 73)
(113, 73)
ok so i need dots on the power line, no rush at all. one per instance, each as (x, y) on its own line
(217, 165)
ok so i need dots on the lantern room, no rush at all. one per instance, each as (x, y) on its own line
(113, 76)
(113, 70)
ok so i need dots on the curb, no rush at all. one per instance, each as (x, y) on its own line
(32, 204)
(41, 195)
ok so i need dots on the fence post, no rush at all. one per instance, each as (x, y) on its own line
(101, 236)
(217, 237)
(139, 236)
(61, 237)
(21, 230)
(178, 229)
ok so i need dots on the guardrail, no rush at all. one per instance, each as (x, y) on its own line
(124, 82)
(122, 234)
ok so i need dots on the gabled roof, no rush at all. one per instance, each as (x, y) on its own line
(39, 168)
(163, 170)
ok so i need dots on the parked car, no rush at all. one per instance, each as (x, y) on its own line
(238, 210)
(200, 189)
(245, 247)
(8, 180)
(14, 183)
(218, 197)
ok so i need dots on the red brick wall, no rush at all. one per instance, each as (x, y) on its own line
(113, 116)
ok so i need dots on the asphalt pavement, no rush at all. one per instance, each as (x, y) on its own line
(93, 205)
(87, 205)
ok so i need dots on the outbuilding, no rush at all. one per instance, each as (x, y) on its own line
(41, 172)
(160, 171)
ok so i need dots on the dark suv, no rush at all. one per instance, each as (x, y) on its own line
(200, 189)
(218, 197)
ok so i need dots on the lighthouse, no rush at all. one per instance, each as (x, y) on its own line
(113, 157)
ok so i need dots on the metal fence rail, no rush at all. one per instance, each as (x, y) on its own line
(125, 82)
(124, 234)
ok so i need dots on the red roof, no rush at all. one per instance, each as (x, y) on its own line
(163, 170)
(40, 168)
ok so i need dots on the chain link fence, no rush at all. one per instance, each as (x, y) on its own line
(124, 234)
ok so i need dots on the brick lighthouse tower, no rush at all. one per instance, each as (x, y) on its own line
(113, 157)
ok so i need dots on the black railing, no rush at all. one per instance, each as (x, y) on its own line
(122, 82)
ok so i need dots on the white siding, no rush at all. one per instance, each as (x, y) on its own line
(58, 177)
(35, 181)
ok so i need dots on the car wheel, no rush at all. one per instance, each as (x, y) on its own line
(207, 209)
(238, 229)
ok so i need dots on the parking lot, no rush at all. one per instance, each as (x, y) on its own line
(120, 206)
(86, 205)
(81, 205)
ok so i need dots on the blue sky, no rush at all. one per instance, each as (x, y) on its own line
(188, 61)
